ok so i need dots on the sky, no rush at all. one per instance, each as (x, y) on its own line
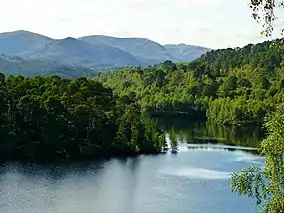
(210, 23)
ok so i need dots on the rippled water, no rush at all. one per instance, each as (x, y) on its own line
(196, 180)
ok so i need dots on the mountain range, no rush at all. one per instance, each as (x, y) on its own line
(27, 53)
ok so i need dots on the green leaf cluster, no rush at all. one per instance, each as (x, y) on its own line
(266, 185)
(229, 86)
(52, 118)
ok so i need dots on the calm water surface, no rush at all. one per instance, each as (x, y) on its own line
(196, 180)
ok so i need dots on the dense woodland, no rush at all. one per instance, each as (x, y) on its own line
(45, 118)
(84, 118)
(241, 86)
(230, 86)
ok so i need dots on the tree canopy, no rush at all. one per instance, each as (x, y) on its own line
(266, 185)
(52, 118)
(240, 86)
(230, 86)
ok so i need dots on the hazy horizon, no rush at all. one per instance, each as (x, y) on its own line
(213, 24)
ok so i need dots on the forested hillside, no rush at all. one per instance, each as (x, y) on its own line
(14, 65)
(45, 118)
(230, 86)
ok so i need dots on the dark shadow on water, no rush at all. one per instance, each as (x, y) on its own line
(52, 171)
(190, 132)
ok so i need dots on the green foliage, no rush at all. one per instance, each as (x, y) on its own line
(173, 141)
(267, 185)
(230, 86)
(46, 118)
(14, 65)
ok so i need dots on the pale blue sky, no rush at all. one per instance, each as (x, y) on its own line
(210, 23)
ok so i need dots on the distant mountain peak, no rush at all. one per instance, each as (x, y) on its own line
(67, 41)
(23, 33)
(70, 38)
(21, 42)
(17, 32)
(101, 52)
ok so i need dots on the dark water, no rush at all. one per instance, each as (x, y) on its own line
(196, 180)
(212, 133)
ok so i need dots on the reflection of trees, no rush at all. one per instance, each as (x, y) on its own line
(174, 140)
(132, 184)
(128, 184)
(208, 132)
(229, 149)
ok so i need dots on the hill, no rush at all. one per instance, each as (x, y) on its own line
(149, 51)
(78, 52)
(21, 43)
(96, 52)
(184, 52)
(14, 65)
(230, 86)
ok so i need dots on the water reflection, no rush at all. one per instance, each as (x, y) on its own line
(208, 147)
(145, 184)
(212, 133)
